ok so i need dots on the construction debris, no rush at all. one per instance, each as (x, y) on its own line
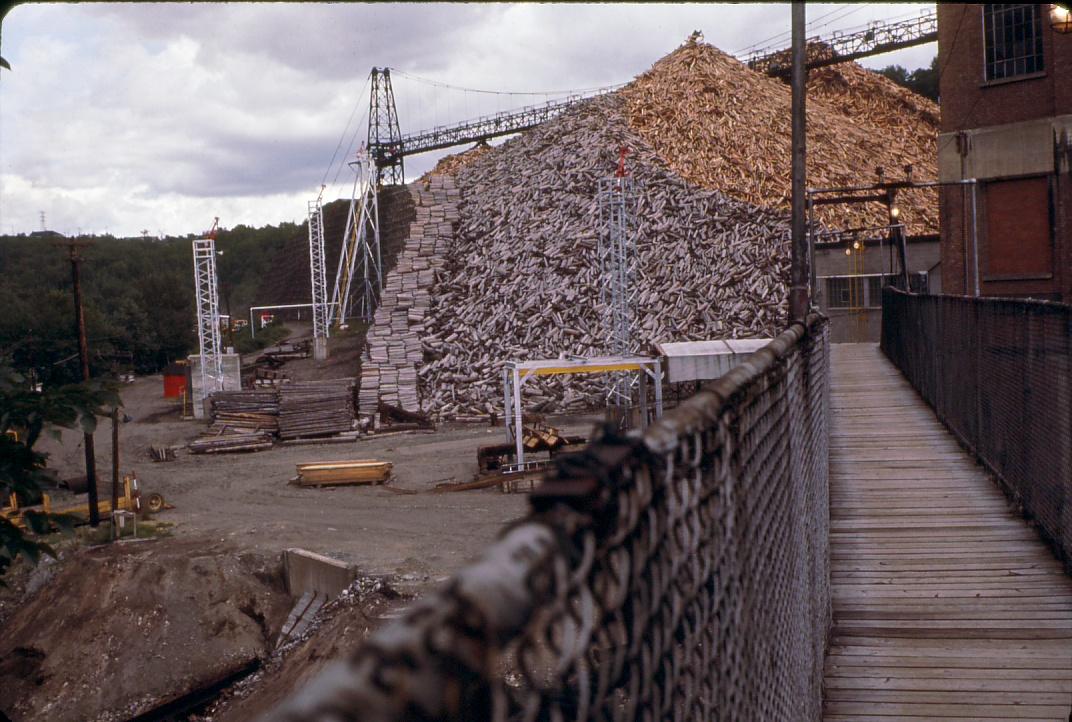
(316, 408)
(722, 126)
(162, 453)
(341, 473)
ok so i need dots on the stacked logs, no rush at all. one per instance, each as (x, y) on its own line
(723, 126)
(316, 408)
(244, 411)
(228, 443)
(522, 279)
(388, 368)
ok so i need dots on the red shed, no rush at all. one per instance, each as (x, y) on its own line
(174, 380)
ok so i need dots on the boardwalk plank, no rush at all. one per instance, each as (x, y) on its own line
(946, 604)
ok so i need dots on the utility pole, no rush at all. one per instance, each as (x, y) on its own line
(115, 458)
(798, 273)
(83, 358)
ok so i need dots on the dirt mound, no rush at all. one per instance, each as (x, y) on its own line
(723, 126)
(338, 629)
(122, 629)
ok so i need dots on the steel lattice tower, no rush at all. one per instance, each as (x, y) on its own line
(616, 249)
(318, 277)
(208, 315)
(359, 258)
(384, 137)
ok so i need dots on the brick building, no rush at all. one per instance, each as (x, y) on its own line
(1006, 120)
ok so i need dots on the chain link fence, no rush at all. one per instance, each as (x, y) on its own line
(682, 574)
(998, 373)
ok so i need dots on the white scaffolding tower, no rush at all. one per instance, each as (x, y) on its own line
(359, 279)
(616, 250)
(208, 317)
(318, 280)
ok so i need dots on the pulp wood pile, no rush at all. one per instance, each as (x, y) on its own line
(723, 126)
(522, 278)
(451, 164)
(394, 348)
(316, 408)
(244, 411)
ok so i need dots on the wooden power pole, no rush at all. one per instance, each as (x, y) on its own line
(798, 281)
(83, 358)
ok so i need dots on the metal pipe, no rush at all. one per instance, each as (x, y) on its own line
(975, 235)
(875, 187)
(252, 330)
(798, 291)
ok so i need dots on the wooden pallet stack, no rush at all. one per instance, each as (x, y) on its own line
(389, 366)
(316, 408)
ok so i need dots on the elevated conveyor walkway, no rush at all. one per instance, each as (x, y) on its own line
(946, 603)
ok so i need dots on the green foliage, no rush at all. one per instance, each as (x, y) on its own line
(24, 415)
(246, 342)
(923, 81)
(138, 296)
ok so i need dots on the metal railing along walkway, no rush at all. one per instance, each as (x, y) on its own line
(946, 604)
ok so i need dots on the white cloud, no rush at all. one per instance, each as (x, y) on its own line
(128, 116)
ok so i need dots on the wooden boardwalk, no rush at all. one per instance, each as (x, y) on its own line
(946, 604)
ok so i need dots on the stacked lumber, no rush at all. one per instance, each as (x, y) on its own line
(339, 473)
(316, 408)
(257, 441)
(244, 412)
(394, 348)
(722, 126)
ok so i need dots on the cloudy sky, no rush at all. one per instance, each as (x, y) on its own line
(128, 117)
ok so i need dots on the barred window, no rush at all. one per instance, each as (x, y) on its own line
(838, 293)
(1012, 36)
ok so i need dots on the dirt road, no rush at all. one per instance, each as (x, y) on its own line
(245, 498)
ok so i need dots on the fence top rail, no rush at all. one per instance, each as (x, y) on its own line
(1027, 302)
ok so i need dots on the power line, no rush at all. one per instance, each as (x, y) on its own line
(357, 104)
(440, 84)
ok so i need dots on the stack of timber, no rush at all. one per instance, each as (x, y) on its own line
(208, 444)
(244, 412)
(394, 348)
(723, 126)
(339, 473)
(316, 408)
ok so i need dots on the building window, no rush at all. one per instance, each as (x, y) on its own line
(838, 293)
(1012, 36)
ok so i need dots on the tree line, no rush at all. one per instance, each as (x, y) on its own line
(138, 296)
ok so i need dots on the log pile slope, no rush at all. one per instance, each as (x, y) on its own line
(720, 125)
(389, 364)
(522, 278)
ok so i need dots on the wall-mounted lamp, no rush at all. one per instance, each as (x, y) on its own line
(1060, 18)
(848, 251)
